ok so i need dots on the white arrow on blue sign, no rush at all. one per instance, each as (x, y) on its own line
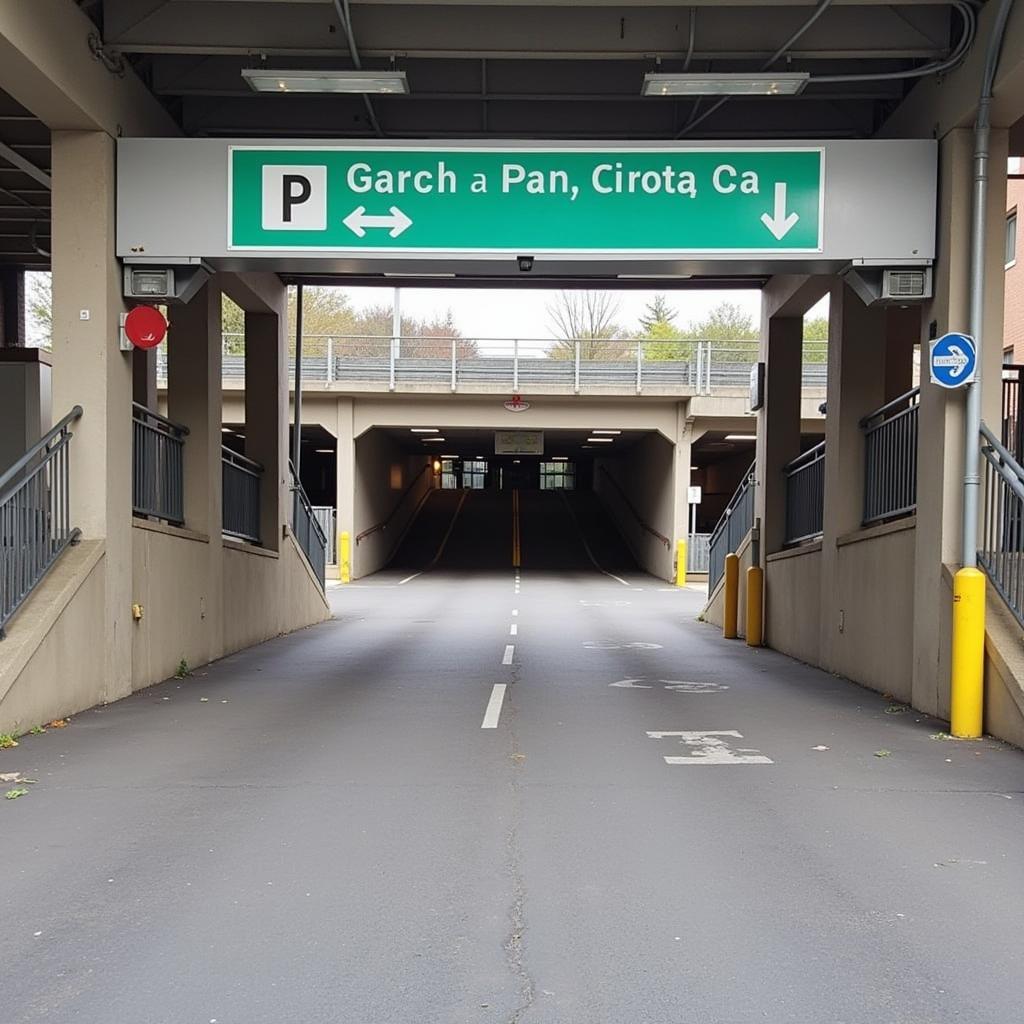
(953, 360)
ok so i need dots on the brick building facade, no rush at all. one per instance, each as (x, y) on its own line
(1013, 330)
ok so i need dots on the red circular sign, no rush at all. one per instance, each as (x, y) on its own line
(145, 327)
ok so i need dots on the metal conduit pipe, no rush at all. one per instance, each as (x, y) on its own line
(962, 7)
(341, 7)
(972, 417)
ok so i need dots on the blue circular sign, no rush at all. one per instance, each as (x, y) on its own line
(953, 360)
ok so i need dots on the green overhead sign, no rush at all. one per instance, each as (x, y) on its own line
(525, 201)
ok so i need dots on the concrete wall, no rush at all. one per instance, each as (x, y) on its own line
(263, 594)
(24, 402)
(383, 473)
(793, 602)
(647, 474)
(872, 609)
(1004, 672)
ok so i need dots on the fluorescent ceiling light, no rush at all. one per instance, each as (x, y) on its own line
(324, 451)
(787, 83)
(606, 431)
(600, 440)
(695, 467)
(292, 80)
(427, 440)
(741, 437)
(424, 430)
(559, 458)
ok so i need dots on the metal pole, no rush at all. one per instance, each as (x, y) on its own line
(576, 367)
(515, 365)
(396, 322)
(639, 363)
(297, 429)
(972, 417)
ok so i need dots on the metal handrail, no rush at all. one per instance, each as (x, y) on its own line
(1008, 461)
(9, 474)
(35, 516)
(804, 458)
(636, 515)
(865, 423)
(240, 461)
(1001, 551)
(144, 410)
(383, 525)
(742, 498)
(737, 497)
(300, 491)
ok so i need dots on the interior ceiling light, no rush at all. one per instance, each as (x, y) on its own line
(600, 440)
(559, 458)
(324, 451)
(291, 80)
(741, 437)
(427, 440)
(425, 430)
(606, 431)
(783, 83)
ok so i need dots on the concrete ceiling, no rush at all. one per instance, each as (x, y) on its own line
(487, 69)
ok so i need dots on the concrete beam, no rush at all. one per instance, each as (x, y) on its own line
(47, 66)
(937, 105)
(254, 293)
(789, 295)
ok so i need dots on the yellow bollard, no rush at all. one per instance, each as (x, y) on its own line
(967, 689)
(345, 556)
(732, 596)
(681, 563)
(755, 593)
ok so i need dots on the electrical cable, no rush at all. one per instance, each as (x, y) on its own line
(341, 7)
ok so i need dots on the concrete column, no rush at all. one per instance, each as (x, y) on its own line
(856, 386)
(89, 370)
(266, 416)
(194, 401)
(940, 426)
(902, 335)
(346, 475)
(778, 424)
(12, 307)
(144, 377)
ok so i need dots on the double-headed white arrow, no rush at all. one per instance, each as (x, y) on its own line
(777, 222)
(359, 220)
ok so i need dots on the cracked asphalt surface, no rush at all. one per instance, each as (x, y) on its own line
(330, 836)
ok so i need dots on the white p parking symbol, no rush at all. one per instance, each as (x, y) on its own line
(294, 197)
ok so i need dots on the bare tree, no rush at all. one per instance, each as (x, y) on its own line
(587, 317)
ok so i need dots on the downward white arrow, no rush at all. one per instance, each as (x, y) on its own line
(777, 222)
(359, 220)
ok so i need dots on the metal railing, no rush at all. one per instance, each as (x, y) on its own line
(307, 530)
(1012, 433)
(385, 523)
(35, 515)
(158, 471)
(731, 528)
(240, 484)
(890, 458)
(641, 523)
(1002, 544)
(805, 495)
(511, 364)
(327, 517)
(698, 552)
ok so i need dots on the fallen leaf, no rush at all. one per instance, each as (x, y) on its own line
(57, 723)
(820, 746)
(882, 753)
(13, 794)
(896, 709)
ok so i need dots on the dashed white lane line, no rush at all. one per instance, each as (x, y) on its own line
(510, 649)
(409, 579)
(513, 630)
(515, 611)
(493, 712)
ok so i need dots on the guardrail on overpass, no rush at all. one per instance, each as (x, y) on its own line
(513, 364)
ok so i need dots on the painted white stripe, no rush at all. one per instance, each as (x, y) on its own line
(493, 712)
(510, 649)
(618, 579)
(515, 611)
(513, 630)
(409, 579)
